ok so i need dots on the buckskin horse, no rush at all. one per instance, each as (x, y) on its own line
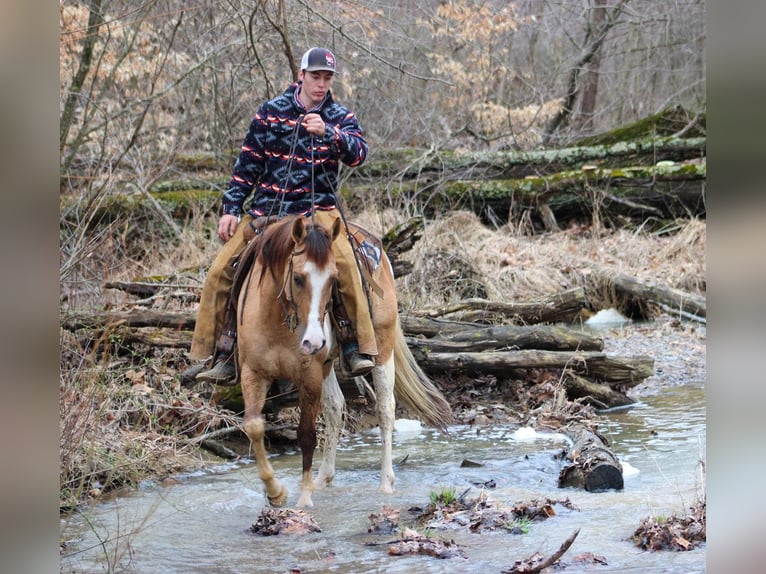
(285, 332)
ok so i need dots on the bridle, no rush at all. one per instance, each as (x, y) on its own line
(291, 315)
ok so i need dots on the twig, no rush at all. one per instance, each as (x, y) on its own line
(558, 554)
(520, 566)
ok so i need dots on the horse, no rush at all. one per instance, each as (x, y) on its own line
(285, 333)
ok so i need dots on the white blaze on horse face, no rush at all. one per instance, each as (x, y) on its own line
(314, 336)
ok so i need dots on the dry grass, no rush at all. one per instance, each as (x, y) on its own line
(458, 256)
(123, 413)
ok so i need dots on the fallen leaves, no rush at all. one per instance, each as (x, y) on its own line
(678, 533)
(274, 521)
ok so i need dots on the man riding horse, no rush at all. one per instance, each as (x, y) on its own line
(290, 162)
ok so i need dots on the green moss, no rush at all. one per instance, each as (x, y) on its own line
(664, 123)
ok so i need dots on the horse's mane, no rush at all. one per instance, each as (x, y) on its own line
(278, 244)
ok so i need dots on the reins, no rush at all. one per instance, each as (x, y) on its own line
(291, 318)
(291, 315)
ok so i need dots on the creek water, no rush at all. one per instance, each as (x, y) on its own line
(202, 522)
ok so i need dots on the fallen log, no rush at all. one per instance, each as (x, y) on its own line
(510, 337)
(420, 164)
(150, 288)
(564, 307)
(675, 301)
(154, 338)
(594, 466)
(614, 371)
(599, 395)
(133, 319)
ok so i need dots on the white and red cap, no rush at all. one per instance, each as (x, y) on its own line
(318, 59)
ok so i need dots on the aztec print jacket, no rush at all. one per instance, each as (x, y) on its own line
(282, 180)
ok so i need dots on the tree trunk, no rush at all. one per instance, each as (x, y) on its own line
(597, 21)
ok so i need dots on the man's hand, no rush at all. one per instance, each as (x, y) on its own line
(314, 124)
(227, 225)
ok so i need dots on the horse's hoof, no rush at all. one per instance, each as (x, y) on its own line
(321, 483)
(304, 502)
(386, 488)
(278, 500)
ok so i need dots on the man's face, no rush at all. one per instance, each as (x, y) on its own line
(315, 86)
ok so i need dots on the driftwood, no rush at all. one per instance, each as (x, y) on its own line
(563, 307)
(594, 466)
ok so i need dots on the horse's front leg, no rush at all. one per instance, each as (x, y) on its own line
(383, 379)
(254, 392)
(332, 416)
(308, 400)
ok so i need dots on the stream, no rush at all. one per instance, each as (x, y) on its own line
(202, 522)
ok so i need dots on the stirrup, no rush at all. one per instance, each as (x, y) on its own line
(223, 373)
(358, 364)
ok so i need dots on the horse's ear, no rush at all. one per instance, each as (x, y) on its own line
(299, 230)
(335, 231)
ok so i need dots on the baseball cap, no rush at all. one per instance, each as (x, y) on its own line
(318, 59)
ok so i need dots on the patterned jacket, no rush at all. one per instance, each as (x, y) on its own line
(277, 163)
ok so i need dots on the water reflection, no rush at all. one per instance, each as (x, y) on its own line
(201, 523)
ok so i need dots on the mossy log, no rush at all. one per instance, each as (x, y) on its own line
(626, 172)
(665, 191)
(423, 164)
(594, 467)
(674, 121)
(137, 208)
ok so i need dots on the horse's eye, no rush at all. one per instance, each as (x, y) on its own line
(299, 281)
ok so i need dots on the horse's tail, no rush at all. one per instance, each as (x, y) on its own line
(414, 390)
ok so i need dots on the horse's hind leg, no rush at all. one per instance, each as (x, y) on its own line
(383, 379)
(332, 416)
(254, 394)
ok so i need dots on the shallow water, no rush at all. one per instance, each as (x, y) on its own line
(201, 523)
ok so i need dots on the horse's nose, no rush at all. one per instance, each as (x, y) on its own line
(310, 348)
